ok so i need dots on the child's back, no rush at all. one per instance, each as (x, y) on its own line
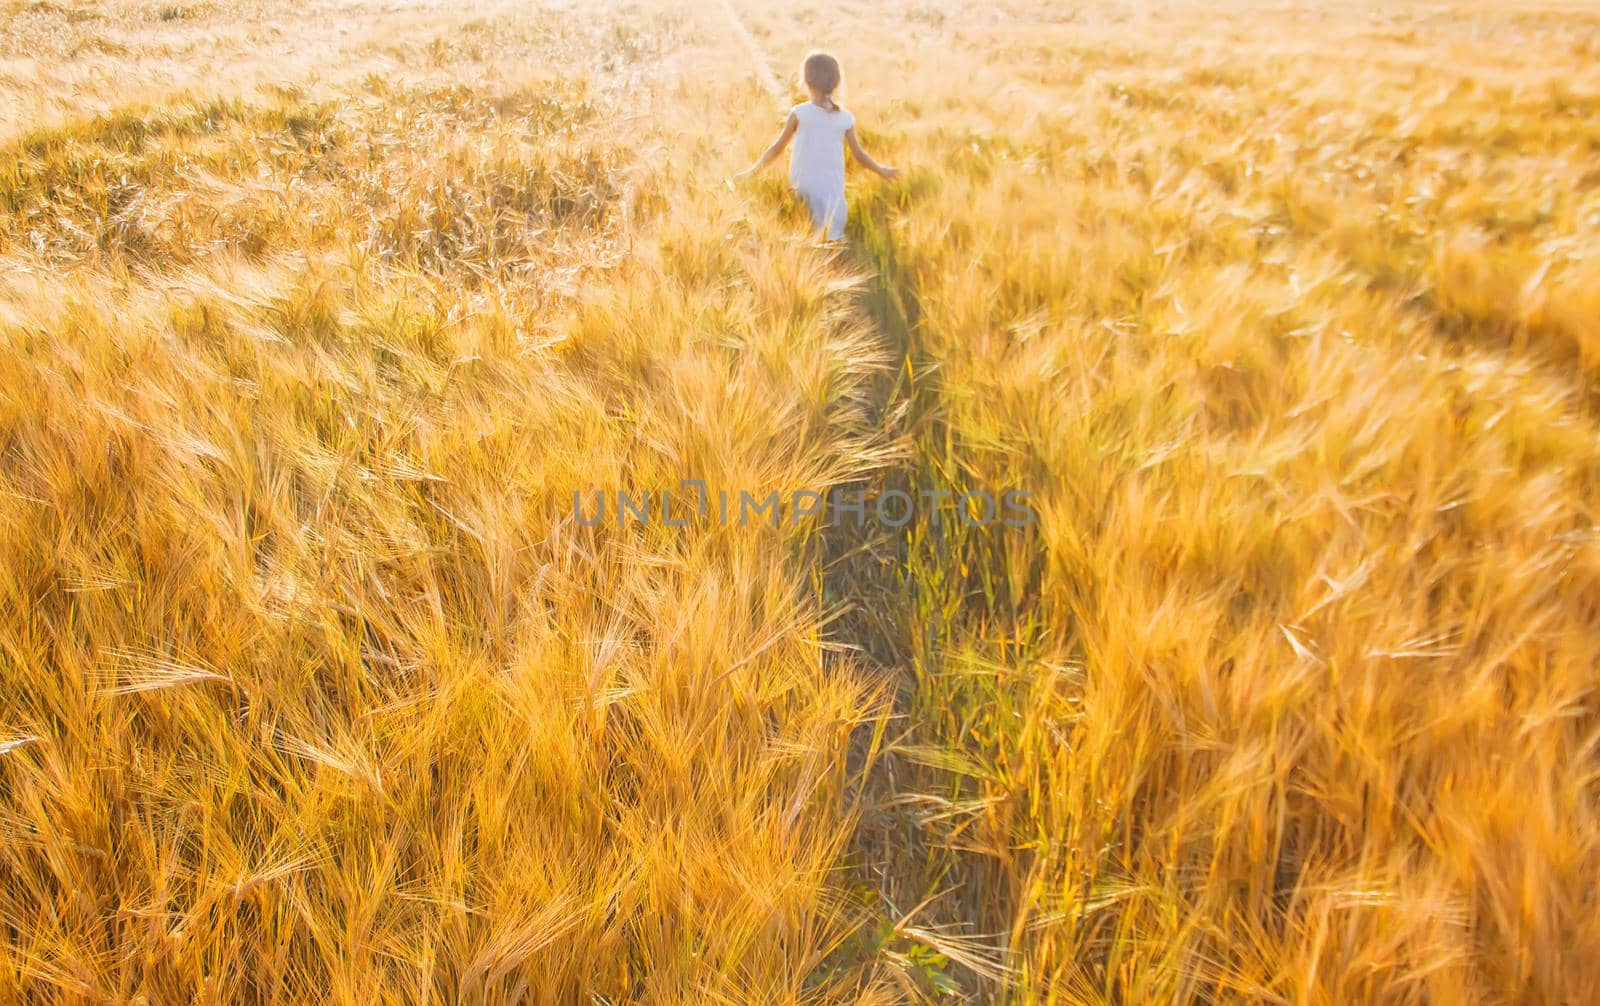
(816, 166)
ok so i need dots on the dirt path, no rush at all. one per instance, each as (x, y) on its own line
(880, 578)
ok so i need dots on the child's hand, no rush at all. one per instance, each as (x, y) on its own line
(889, 173)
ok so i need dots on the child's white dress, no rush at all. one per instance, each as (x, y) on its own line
(816, 166)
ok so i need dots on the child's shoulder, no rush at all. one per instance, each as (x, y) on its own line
(806, 110)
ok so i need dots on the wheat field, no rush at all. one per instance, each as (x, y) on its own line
(323, 325)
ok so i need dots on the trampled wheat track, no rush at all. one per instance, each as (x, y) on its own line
(883, 580)
(758, 56)
(847, 544)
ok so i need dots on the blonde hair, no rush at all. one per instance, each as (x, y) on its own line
(821, 71)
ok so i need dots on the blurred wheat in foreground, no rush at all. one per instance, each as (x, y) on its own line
(313, 689)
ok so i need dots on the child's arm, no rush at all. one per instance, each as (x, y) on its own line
(866, 159)
(772, 152)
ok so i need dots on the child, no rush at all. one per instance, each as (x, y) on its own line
(820, 130)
